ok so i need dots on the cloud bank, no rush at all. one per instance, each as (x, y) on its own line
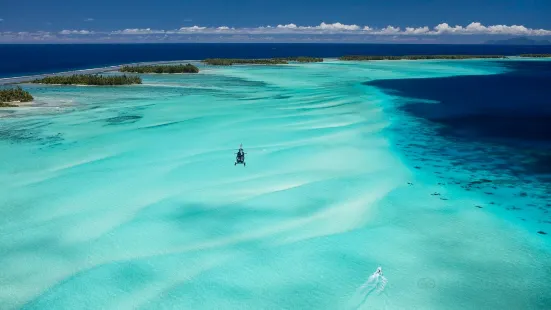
(291, 32)
(474, 28)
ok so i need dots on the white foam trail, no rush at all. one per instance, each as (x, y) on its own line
(375, 284)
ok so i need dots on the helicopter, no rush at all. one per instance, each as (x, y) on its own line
(240, 158)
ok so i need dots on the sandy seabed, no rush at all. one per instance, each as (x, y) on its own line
(128, 198)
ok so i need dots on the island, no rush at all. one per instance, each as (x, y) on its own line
(231, 61)
(417, 57)
(10, 96)
(303, 59)
(187, 68)
(89, 79)
(266, 61)
(535, 55)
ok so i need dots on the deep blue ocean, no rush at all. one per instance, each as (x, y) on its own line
(495, 126)
(28, 59)
(511, 110)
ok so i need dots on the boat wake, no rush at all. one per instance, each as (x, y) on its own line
(375, 285)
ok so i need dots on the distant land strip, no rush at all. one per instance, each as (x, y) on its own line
(179, 68)
(536, 55)
(29, 78)
(429, 57)
(264, 61)
(89, 79)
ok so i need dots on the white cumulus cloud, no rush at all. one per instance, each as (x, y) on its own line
(138, 31)
(478, 28)
(288, 26)
(420, 30)
(65, 32)
(388, 30)
(191, 29)
(337, 26)
(323, 27)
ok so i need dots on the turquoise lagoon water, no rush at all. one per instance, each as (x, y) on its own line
(127, 198)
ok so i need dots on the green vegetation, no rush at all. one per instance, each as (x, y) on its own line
(230, 61)
(90, 79)
(268, 61)
(10, 95)
(302, 59)
(187, 68)
(536, 55)
(417, 57)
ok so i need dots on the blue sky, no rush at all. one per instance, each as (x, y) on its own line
(217, 20)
